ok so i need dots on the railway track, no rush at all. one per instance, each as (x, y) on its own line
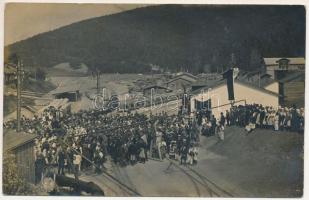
(124, 187)
(213, 189)
(129, 189)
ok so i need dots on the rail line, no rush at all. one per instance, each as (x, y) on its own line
(208, 184)
(122, 185)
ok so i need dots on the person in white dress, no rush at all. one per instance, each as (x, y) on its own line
(276, 122)
(221, 132)
(195, 151)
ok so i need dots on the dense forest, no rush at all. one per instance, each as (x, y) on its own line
(174, 37)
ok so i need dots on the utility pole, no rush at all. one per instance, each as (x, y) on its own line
(259, 79)
(98, 81)
(19, 66)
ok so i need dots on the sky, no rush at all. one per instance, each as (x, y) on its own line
(23, 20)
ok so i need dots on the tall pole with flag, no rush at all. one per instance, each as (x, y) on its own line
(230, 75)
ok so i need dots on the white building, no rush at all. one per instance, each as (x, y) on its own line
(244, 93)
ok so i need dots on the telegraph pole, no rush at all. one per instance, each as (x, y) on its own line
(259, 79)
(98, 81)
(19, 66)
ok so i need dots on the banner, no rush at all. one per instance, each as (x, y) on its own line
(229, 76)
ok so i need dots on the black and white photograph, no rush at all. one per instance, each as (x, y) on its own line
(153, 100)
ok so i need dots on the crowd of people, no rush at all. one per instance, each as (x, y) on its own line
(210, 125)
(256, 116)
(70, 142)
(251, 116)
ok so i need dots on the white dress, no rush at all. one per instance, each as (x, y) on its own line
(195, 151)
(276, 124)
(221, 133)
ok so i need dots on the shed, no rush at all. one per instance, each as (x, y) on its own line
(280, 67)
(292, 89)
(22, 146)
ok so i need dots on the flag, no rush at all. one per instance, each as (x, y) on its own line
(235, 72)
(229, 76)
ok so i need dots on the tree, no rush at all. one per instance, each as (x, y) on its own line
(255, 62)
(12, 182)
(40, 74)
(201, 69)
(13, 58)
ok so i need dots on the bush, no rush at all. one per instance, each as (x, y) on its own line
(13, 184)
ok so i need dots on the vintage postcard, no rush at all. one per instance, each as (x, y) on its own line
(155, 100)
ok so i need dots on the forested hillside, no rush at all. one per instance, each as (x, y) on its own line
(174, 37)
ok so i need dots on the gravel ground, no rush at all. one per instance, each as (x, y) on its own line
(262, 164)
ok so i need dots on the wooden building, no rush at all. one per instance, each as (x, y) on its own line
(292, 89)
(278, 68)
(180, 81)
(9, 74)
(22, 146)
(155, 90)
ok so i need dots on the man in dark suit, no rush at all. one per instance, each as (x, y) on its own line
(61, 158)
(262, 117)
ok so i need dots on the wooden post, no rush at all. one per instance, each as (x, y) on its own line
(259, 79)
(18, 95)
(98, 81)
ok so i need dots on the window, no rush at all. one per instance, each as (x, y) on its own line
(283, 63)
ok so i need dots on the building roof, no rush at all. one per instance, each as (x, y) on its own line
(186, 78)
(186, 74)
(63, 91)
(207, 83)
(12, 139)
(200, 83)
(293, 76)
(265, 75)
(295, 60)
(154, 86)
(257, 88)
(256, 79)
(8, 69)
(222, 82)
(210, 84)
